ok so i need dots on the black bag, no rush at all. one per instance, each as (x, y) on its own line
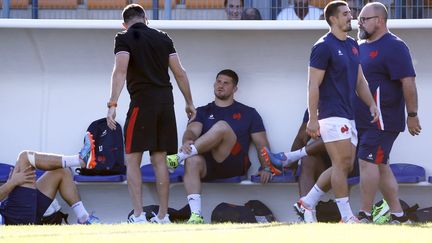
(423, 215)
(55, 218)
(254, 211)
(225, 212)
(109, 150)
(261, 212)
(327, 212)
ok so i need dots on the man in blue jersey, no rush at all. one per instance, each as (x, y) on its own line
(388, 68)
(216, 142)
(335, 77)
(24, 200)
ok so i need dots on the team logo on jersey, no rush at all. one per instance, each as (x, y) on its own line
(340, 53)
(237, 116)
(355, 51)
(344, 129)
(373, 54)
(211, 117)
(370, 156)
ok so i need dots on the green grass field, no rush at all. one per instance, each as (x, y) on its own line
(260, 233)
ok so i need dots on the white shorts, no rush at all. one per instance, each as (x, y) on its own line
(338, 128)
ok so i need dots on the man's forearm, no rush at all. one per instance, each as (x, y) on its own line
(117, 83)
(183, 83)
(410, 94)
(5, 189)
(189, 136)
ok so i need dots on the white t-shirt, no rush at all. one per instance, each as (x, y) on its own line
(289, 14)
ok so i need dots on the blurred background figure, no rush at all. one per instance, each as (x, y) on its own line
(234, 9)
(251, 14)
(300, 10)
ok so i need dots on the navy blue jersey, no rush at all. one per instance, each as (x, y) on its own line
(340, 60)
(244, 120)
(385, 62)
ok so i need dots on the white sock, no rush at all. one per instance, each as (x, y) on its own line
(182, 156)
(344, 207)
(71, 161)
(80, 211)
(294, 156)
(194, 201)
(314, 195)
(399, 214)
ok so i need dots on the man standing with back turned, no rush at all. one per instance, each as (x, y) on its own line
(335, 76)
(142, 58)
(387, 65)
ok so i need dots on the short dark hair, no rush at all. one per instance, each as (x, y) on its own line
(226, 3)
(230, 73)
(332, 9)
(251, 14)
(132, 11)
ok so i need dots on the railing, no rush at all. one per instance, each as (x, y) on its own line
(198, 9)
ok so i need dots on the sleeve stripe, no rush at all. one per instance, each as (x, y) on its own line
(122, 52)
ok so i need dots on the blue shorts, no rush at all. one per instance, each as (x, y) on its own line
(24, 206)
(236, 164)
(375, 145)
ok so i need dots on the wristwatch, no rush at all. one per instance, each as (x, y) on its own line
(412, 114)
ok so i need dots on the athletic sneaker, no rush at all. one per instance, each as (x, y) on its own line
(399, 220)
(87, 153)
(351, 220)
(157, 220)
(138, 220)
(273, 168)
(91, 220)
(172, 162)
(276, 159)
(195, 219)
(363, 218)
(381, 213)
(305, 213)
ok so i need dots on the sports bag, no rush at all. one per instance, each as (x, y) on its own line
(109, 150)
(254, 211)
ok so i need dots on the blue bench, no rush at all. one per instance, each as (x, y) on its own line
(289, 176)
(408, 173)
(4, 172)
(105, 178)
(235, 179)
(430, 179)
(148, 175)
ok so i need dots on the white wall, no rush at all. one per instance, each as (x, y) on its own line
(54, 81)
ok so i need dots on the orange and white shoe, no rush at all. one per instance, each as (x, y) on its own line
(305, 213)
(87, 153)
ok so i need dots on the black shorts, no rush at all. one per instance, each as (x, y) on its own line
(150, 128)
(236, 164)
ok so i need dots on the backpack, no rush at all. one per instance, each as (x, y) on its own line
(254, 211)
(109, 150)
